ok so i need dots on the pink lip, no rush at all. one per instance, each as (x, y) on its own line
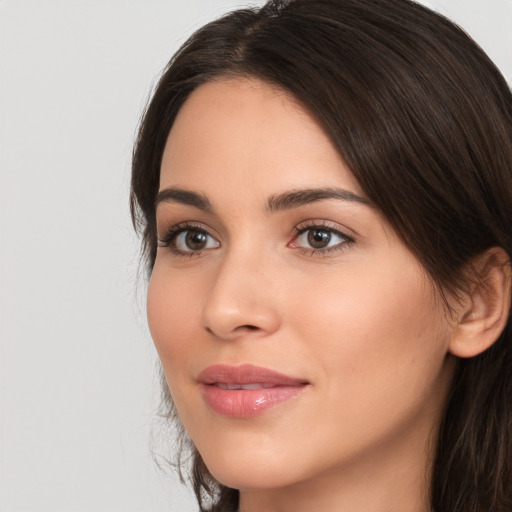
(269, 389)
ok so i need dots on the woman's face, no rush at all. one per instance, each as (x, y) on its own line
(299, 336)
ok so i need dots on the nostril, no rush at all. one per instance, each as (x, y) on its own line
(249, 327)
(246, 327)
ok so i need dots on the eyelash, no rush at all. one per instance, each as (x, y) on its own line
(168, 240)
(326, 227)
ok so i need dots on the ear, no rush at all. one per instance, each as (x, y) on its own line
(484, 311)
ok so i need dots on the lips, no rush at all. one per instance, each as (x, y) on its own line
(245, 391)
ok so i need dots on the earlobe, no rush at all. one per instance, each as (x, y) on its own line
(484, 312)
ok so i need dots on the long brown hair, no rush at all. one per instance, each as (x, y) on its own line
(423, 119)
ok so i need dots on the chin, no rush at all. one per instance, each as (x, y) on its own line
(250, 476)
(251, 469)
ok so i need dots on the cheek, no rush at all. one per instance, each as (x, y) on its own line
(380, 329)
(377, 346)
(172, 309)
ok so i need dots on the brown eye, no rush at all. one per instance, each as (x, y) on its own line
(196, 240)
(191, 240)
(319, 238)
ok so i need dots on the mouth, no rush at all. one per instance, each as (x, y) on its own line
(246, 391)
(232, 387)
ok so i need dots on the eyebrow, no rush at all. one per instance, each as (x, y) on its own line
(279, 202)
(186, 197)
(297, 198)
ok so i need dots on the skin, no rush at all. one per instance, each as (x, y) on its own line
(359, 320)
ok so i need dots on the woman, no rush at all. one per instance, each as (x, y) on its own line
(324, 191)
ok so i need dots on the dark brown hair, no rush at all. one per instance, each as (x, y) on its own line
(423, 119)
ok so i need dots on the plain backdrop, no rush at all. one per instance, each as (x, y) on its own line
(78, 386)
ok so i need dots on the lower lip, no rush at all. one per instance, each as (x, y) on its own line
(246, 403)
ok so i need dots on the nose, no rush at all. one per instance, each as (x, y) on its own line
(241, 301)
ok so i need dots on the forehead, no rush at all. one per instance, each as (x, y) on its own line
(238, 132)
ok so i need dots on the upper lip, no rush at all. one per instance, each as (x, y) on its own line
(246, 374)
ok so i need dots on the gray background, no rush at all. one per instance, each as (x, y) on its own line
(77, 367)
